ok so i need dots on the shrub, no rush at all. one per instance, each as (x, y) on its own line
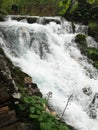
(93, 30)
(36, 110)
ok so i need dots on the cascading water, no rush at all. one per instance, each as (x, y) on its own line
(49, 54)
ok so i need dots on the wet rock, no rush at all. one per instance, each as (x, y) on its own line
(16, 126)
(92, 112)
(95, 100)
(2, 18)
(30, 19)
(4, 96)
(81, 40)
(35, 19)
(46, 20)
(27, 80)
(16, 95)
(8, 118)
(87, 91)
(5, 74)
(33, 90)
(33, 126)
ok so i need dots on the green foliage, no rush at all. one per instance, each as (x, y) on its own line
(90, 52)
(74, 7)
(64, 6)
(96, 64)
(31, 7)
(6, 5)
(79, 10)
(93, 30)
(35, 108)
(96, 2)
(62, 127)
(3, 12)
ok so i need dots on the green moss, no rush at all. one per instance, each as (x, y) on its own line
(96, 64)
(35, 107)
(80, 39)
(92, 53)
(16, 72)
(74, 8)
(93, 30)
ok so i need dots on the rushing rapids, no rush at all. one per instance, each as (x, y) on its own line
(50, 55)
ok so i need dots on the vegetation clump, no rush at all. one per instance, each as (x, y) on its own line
(80, 39)
(90, 52)
(30, 7)
(30, 106)
(93, 30)
(35, 109)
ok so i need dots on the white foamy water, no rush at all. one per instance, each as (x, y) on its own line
(50, 56)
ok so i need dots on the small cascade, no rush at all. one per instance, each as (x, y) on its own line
(46, 50)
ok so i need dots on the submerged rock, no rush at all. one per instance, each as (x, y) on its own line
(87, 91)
(93, 107)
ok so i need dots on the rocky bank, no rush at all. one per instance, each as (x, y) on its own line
(12, 79)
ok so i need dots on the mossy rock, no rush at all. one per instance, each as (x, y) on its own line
(93, 30)
(96, 64)
(16, 72)
(92, 53)
(18, 76)
(80, 39)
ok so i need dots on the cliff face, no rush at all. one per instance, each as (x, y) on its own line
(12, 79)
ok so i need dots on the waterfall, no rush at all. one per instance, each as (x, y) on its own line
(49, 54)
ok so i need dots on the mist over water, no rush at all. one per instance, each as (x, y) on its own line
(49, 54)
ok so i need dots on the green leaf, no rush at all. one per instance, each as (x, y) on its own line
(63, 127)
(32, 110)
(26, 99)
(32, 116)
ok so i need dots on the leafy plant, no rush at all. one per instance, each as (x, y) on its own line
(35, 108)
(64, 6)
